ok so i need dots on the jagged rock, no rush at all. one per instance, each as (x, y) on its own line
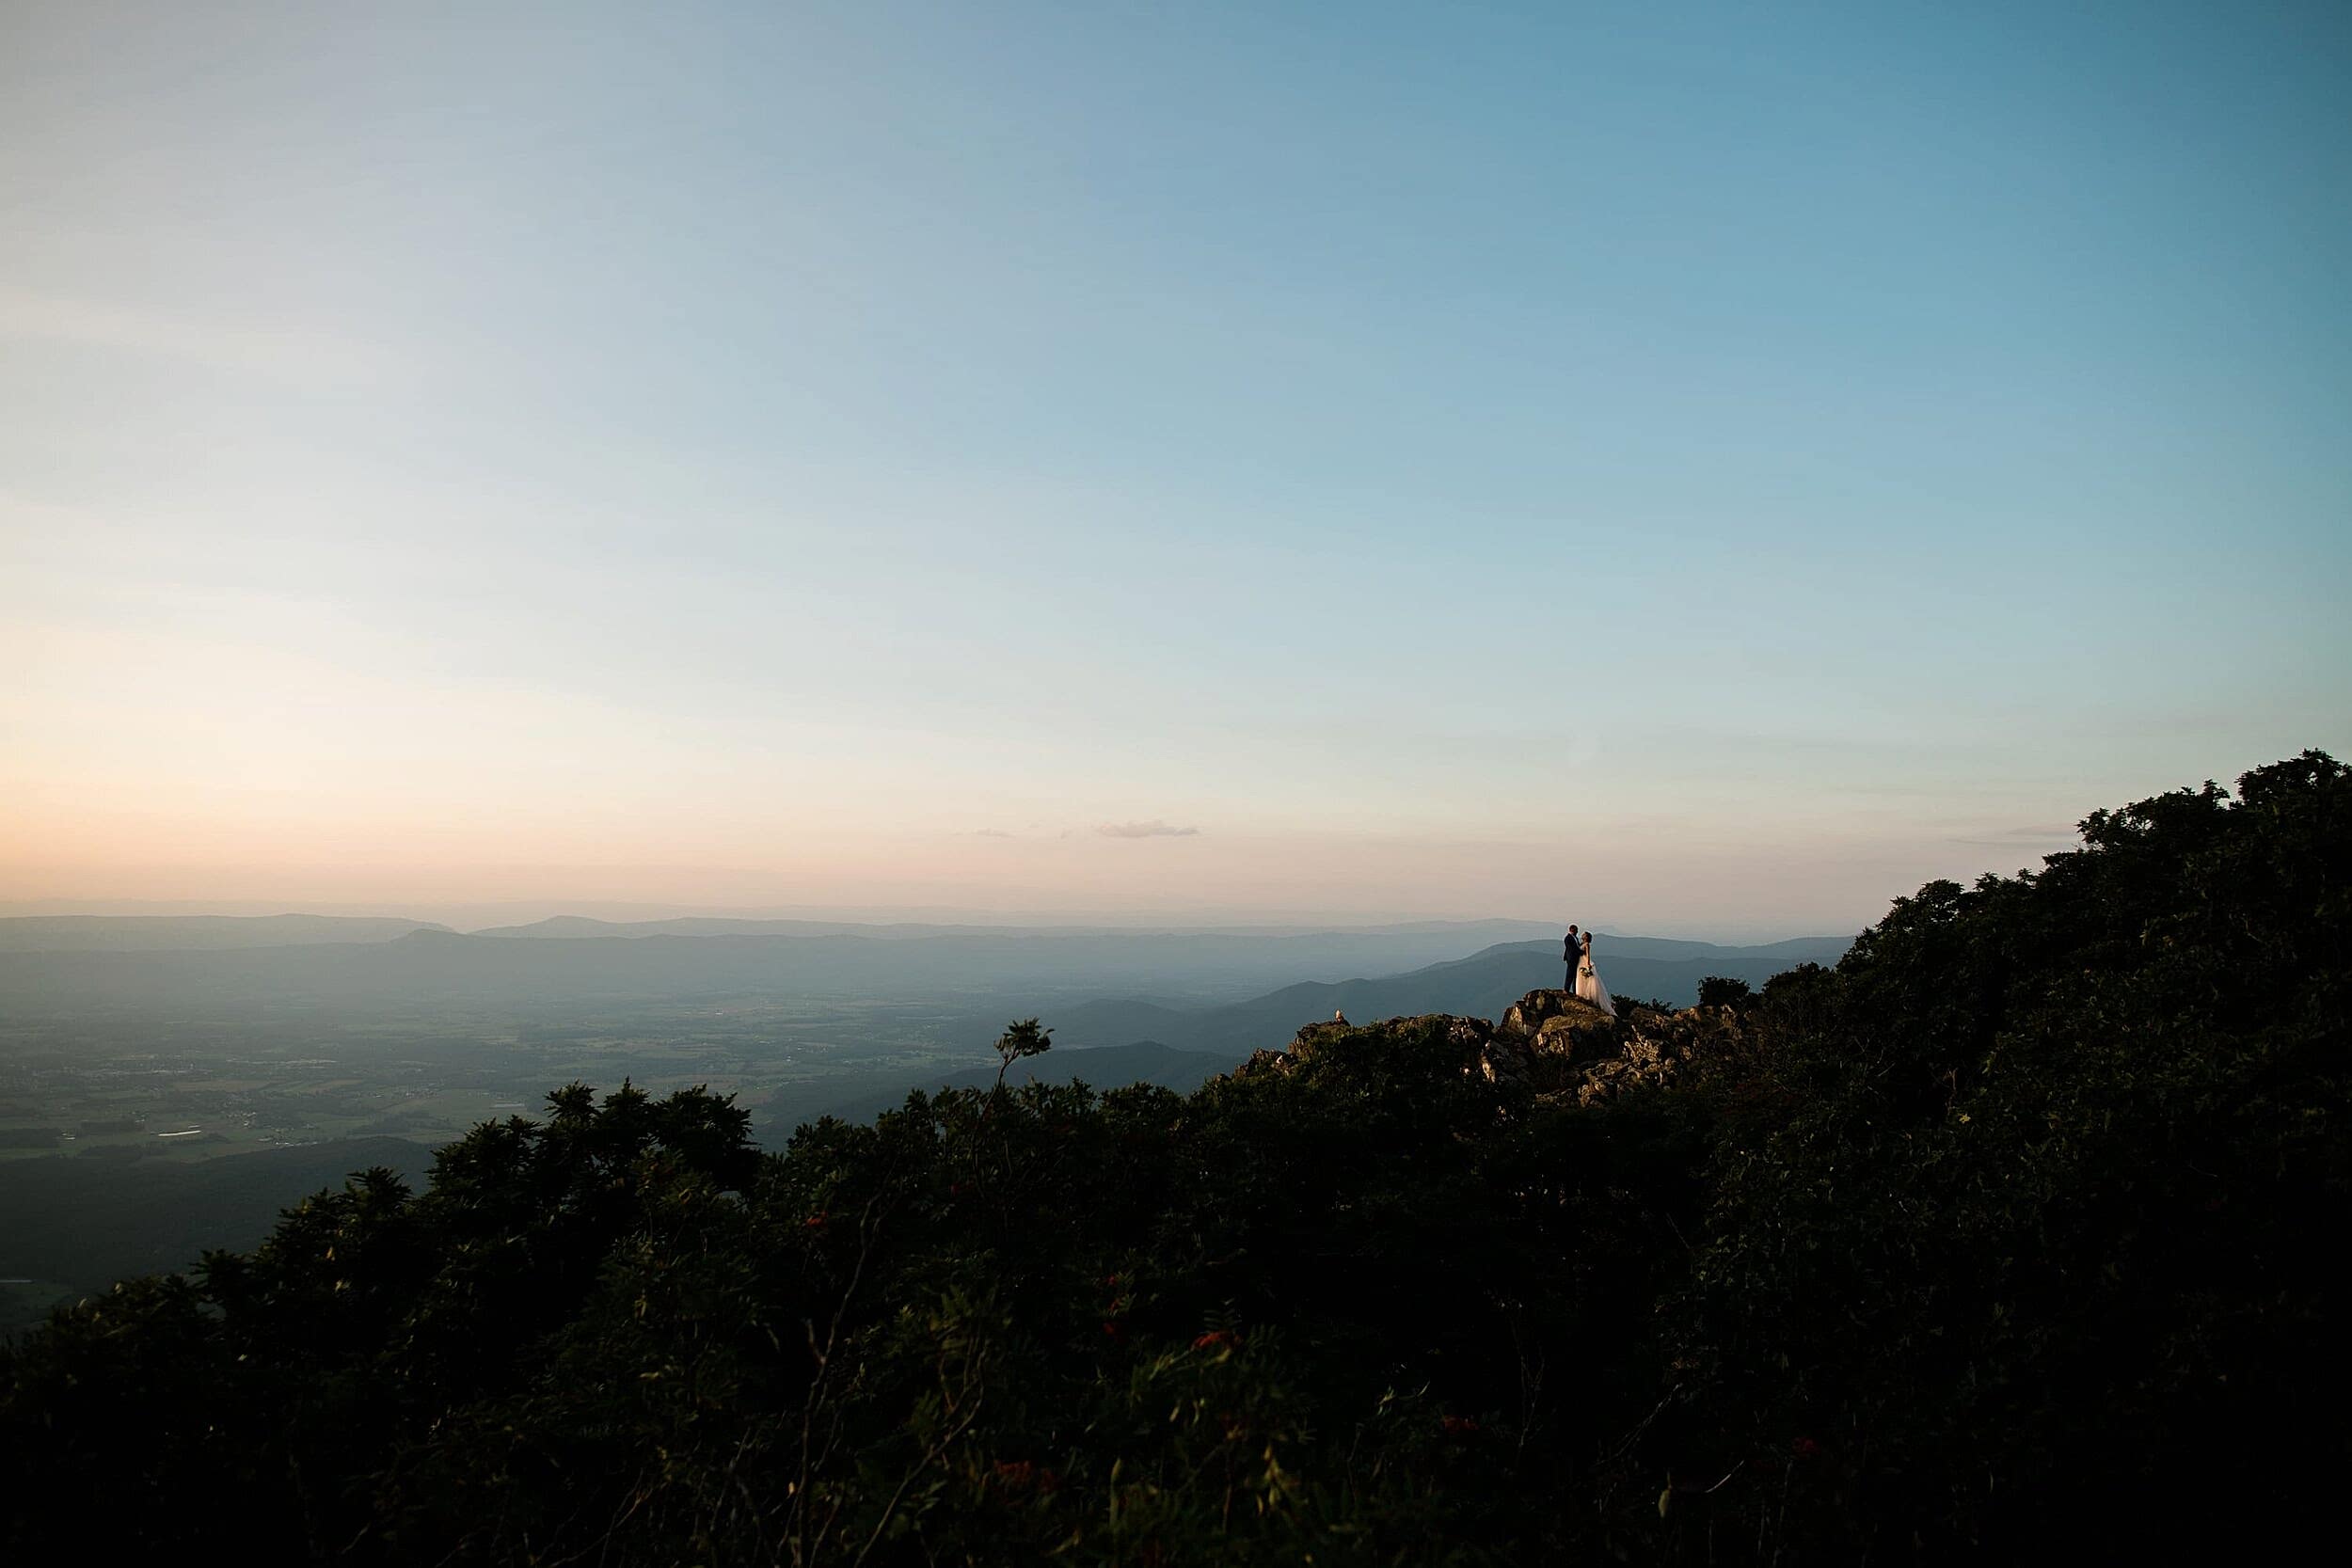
(1526, 1018)
(1654, 1046)
(1548, 1044)
(1502, 1063)
(1556, 1025)
(1577, 1037)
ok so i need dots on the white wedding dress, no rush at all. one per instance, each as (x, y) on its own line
(1588, 986)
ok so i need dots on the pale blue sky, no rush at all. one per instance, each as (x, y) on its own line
(1711, 467)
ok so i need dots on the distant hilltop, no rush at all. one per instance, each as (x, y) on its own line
(575, 927)
(184, 933)
(1208, 990)
(1415, 941)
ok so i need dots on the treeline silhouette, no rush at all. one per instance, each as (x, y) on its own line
(2013, 1233)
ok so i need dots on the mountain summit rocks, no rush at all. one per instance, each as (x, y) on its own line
(1549, 1044)
(1559, 1024)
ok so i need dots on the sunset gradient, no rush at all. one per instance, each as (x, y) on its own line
(1705, 472)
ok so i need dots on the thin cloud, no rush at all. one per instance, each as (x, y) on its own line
(992, 832)
(1154, 829)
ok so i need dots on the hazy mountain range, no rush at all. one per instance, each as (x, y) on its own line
(60, 933)
(78, 966)
(570, 926)
(1480, 986)
(817, 1018)
(1112, 1042)
(1215, 989)
(156, 933)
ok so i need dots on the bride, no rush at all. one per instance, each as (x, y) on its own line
(1588, 986)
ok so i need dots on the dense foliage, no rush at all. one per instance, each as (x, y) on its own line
(2013, 1231)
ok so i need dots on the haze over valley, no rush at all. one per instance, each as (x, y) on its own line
(801, 782)
(137, 1052)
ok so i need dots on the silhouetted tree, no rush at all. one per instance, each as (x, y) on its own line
(2006, 1237)
(1719, 991)
(1021, 1039)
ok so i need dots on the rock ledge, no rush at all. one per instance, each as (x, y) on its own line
(1548, 1046)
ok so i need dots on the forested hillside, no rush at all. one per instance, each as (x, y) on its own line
(2011, 1234)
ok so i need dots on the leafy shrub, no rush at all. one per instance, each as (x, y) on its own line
(1719, 991)
(2008, 1234)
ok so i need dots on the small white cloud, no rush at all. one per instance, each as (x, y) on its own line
(1154, 829)
(991, 832)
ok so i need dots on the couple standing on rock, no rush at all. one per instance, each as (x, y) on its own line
(1583, 979)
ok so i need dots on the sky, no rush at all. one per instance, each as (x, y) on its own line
(1708, 469)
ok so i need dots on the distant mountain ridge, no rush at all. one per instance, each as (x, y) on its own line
(435, 970)
(1110, 1043)
(195, 933)
(1169, 987)
(1480, 986)
(581, 928)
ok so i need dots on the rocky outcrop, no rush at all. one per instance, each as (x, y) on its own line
(1548, 1046)
(1554, 1026)
(1264, 1063)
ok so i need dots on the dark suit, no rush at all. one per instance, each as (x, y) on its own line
(1569, 953)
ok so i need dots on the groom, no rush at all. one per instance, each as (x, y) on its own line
(1568, 955)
